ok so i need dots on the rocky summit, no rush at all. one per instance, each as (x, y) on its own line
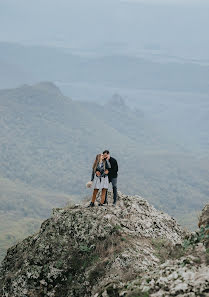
(130, 250)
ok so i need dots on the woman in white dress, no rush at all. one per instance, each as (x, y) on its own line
(100, 178)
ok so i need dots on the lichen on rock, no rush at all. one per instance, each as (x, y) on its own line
(100, 251)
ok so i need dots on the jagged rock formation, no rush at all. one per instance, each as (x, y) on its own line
(125, 250)
(187, 275)
(204, 217)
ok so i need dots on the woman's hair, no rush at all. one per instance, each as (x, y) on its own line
(97, 161)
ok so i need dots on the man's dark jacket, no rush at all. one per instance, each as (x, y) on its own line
(113, 171)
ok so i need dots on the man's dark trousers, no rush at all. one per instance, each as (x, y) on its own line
(114, 187)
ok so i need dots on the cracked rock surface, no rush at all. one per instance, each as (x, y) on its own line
(105, 251)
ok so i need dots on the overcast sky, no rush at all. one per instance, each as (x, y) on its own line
(177, 27)
(168, 2)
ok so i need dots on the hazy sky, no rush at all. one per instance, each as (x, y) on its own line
(167, 2)
(176, 27)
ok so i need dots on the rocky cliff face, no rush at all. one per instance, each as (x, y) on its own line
(128, 250)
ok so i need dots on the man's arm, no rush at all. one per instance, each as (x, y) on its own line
(108, 165)
(116, 166)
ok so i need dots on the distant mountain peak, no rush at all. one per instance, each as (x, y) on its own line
(117, 99)
(48, 86)
(40, 94)
(117, 102)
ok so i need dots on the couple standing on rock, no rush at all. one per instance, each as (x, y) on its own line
(104, 171)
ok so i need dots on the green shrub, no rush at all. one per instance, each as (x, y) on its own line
(200, 236)
(165, 250)
(97, 272)
(84, 248)
(138, 293)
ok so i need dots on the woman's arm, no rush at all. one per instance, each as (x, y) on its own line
(92, 175)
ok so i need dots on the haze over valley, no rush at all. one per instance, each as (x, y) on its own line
(77, 77)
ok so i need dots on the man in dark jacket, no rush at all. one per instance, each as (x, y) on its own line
(112, 175)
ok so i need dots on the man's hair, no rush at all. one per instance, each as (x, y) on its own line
(106, 152)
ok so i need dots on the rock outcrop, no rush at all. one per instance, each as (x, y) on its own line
(186, 275)
(204, 217)
(127, 250)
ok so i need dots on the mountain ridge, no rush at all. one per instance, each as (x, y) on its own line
(56, 64)
(49, 141)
